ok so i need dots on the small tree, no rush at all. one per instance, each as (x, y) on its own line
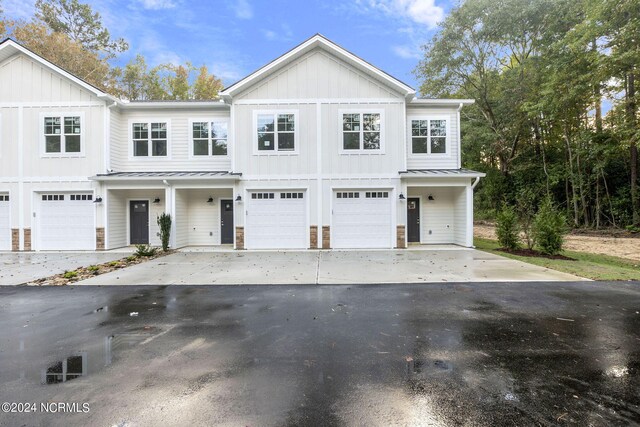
(507, 228)
(549, 227)
(164, 222)
(525, 206)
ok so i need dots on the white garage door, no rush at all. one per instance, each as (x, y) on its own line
(5, 223)
(66, 222)
(276, 220)
(361, 219)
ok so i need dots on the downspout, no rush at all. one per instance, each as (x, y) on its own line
(477, 180)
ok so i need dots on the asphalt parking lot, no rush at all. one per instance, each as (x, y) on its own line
(486, 354)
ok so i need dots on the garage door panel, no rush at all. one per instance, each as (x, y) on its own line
(361, 219)
(5, 223)
(66, 222)
(276, 220)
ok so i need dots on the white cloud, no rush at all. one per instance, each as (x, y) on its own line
(406, 52)
(283, 34)
(243, 9)
(424, 12)
(157, 4)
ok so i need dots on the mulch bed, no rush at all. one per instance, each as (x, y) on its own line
(83, 273)
(533, 253)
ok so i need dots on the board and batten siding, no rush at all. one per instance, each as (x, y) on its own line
(178, 158)
(425, 161)
(317, 74)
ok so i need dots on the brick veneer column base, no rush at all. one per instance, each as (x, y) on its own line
(239, 237)
(27, 239)
(100, 238)
(400, 243)
(313, 237)
(326, 237)
(15, 239)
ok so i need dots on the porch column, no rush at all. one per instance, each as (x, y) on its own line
(469, 206)
(170, 208)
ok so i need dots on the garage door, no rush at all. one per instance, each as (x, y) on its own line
(361, 219)
(276, 220)
(66, 222)
(5, 223)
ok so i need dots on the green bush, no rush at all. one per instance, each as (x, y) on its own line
(164, 222)
(145, 251)
(70, 274)
(549, 227)
(93, 268)
(507, 228)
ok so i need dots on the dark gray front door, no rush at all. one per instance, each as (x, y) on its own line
(226, 221)
(139, 222)
(413, 219)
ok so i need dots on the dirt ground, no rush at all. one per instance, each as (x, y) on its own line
(623, 247)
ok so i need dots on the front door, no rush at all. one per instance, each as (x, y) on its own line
(226, 221)
(413, 219)
(139, 222)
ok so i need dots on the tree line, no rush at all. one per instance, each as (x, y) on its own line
(542, 72)
(71, 35)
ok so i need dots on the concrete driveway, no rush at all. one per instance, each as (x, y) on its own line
(22, 267)
(328, 267)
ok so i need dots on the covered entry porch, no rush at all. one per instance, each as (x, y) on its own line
(439, 206)
(201, 205)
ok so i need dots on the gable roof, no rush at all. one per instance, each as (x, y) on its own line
(319, 41)
(10, 47)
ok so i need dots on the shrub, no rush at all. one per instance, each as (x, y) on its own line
(526, 208)
(145, 251)
(131, 258)
(507, 228)
(164, 222)
(70, 274)
(549, 227)
(93, 268)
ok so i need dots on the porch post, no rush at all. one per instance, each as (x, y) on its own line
(469, 239)
(170, 208)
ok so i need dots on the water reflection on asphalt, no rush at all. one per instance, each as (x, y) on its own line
(487, 354)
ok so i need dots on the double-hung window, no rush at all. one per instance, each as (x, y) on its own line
(361, 131)
(62, 134)
(276, 132)
(429, 136)
(149, 139)
(209, 138)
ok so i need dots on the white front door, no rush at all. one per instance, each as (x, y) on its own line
(66, 222)
(361, 219)
(276, 220)
(5, 223)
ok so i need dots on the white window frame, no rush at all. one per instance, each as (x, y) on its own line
(429, 117)
(361, 150)
(148, 121)
(275, 151)
(209, 120)
(62, 115)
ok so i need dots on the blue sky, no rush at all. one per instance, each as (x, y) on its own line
(235, 37)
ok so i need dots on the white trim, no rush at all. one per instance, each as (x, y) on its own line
(469, 212)
(317, 41)
(319, 184)
(231, 146)
(361, 150)
(52, 104)
(443, 101)
(1, 137)
(21, 198)
(209, 120)
(459, 138)
(313, 176)
(428, 155)
(298, 101)
(62, 115)
(148, 121)
(276, 151)
(7, 192)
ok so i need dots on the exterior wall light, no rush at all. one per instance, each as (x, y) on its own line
(401, 197)
(210, 200)
(239, 198)
(156, 200)
(430, 197)
(98, 199)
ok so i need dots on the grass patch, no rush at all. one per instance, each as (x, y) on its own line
(590, 266)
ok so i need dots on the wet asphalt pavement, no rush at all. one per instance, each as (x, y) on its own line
(410, 355)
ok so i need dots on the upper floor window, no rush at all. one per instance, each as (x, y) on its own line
(429, 136)
(209, 138)
(276, 132)
(62, 134)
(149, 139)
(361, 131)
